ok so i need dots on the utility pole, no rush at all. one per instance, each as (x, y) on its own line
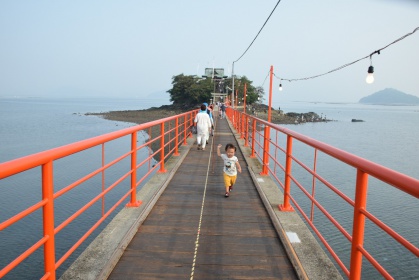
(232, 76)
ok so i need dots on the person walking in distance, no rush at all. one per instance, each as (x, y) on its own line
(223, 111)
(230, 168)
(209, 112)
(203, 127)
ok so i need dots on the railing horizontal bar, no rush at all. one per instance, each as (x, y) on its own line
(324, 181)
(412, 248)
(22, 214)
(88, 176)
(23, 256)
(24, 163)
(396, 179)
(146, 175)
(87, 234)
(90, 203)
(320, 236)
(373, 261)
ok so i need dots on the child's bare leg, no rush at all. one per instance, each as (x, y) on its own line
(227, 185)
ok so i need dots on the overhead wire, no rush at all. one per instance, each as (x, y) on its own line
(267, 75)
(350, 63)
(258, 33)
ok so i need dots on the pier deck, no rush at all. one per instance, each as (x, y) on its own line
(194, 231)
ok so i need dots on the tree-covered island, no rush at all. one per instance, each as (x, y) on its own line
(189, 92)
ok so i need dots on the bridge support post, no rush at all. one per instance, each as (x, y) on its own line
(253, 138)
(133, 201)
(246, 131)
(176, 153)
(266, 150)
(162, 169)
(48, 217)
(286, 207)
(358, 224)
(185, 131)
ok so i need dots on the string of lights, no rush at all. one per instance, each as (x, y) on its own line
(258, 33)
(267, 75)
(370, 77)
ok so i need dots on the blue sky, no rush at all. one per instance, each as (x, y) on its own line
(133, 48)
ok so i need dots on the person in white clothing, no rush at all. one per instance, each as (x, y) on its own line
(209, 112)
(203, 127)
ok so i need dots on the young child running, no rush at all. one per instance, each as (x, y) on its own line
(231, 165)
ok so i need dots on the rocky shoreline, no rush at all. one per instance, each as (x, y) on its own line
(155, 113)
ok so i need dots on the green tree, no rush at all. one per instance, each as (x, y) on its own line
(189, 91)
(253, 94)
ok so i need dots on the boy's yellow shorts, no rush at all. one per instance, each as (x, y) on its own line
(229, 180)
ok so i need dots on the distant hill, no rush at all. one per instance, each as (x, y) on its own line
(390, 96)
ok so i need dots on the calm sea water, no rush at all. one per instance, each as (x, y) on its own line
(389, 136)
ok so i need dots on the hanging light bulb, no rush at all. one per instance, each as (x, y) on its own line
(280, 86)
(370, 76)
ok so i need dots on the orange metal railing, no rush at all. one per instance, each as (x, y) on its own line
(265, 139)
(173, 132)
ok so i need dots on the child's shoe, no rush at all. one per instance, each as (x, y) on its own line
(227, 194)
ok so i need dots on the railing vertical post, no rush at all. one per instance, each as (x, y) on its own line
(192, 116)
(48, 217)
(149, 149)
(176, 153)
(313, 186)
(133, 200)
(185, 130)
(266, 138)
(162, 169)
(169, 135)
(276, 149)
(286, 207)
(231, 116)
(103, 178)
(241, 125)
(359, 224)
(239, 119)
(246, 131)
(253, 138)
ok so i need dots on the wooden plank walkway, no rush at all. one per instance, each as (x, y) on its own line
(194, 232)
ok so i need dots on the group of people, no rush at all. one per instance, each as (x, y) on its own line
(205, 124)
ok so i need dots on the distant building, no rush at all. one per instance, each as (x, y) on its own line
(216, 73)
